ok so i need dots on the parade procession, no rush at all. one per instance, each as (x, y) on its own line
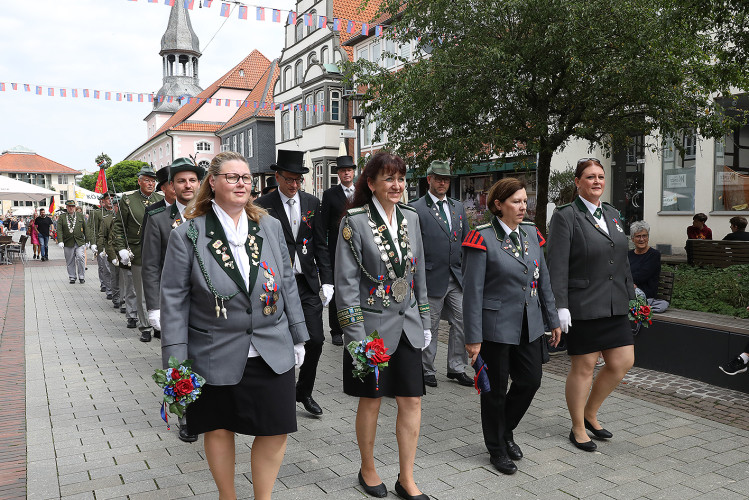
(374, 248)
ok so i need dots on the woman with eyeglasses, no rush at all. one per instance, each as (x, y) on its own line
(230, 303)
(592, 285)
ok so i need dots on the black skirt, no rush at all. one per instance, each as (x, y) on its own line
(593, 335)
(403, 376)
(261, 404)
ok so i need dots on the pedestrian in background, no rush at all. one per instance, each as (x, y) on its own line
(33, 233)
(43, 224)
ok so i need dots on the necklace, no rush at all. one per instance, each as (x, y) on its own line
(71, 222)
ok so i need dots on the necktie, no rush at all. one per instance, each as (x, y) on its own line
(349, 193)
(516, 240)
(292, 217)
(598, 214)
(441, 205)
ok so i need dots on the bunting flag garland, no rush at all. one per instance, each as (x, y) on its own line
(322, 21)
(365, 29)
(350, 27)
(189, 4)
(336, 24)
(170, 3)
(292, 17)
(276, 16)
(225, 9)
(260, 14)
(242, 12)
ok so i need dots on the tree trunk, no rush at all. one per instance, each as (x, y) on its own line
(543, 170)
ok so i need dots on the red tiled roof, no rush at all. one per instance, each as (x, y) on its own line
(253, 66)
(263, 91)
(198, 126)
(32, 163)
(351, 9)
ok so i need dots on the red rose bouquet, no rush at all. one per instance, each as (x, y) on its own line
(181, 387)
(370, 355)
(639, 312)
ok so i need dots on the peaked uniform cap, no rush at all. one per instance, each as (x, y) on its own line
(70, 203)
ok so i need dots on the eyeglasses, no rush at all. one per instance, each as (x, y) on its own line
(148, 180)
(290, 181)
(583, 160)
(233, 178)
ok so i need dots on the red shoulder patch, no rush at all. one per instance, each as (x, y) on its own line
(541, 239)
(474, 240)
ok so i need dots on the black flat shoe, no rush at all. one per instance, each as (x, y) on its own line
(379, 491)
(587, 446)
(186, 436)
(337, 339)
(309, 404)
(599, 433)
(504, 465)
(430, 380)
(461, 378)
(513, 450)
(401, 491)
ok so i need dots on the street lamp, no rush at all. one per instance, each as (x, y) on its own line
(358, 116)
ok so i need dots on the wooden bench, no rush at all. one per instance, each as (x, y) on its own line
(665, 286)
(718, 253)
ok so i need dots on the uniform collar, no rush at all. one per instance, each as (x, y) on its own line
(590, 206)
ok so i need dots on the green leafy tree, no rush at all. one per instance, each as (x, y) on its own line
(527, 76)
(124, 175)
(88, 181)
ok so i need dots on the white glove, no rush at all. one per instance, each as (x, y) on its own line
(61, 245)
(427, 339)
(115, 262)
(298, 355)
(124, 256)
(93, 248)
(154, 318)
(565, 320)
(102, 254)
(328, 291)
(88, 245)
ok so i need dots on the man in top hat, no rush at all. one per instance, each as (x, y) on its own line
(444, 225)
(128, 233)
(331, 209)
(270, 184)
(94, 226)
(73, 238)
(298, 213)
(163, 187)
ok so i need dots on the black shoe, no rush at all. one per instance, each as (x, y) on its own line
(504, 465)
(186, 436)
(379, 491)
(430, 380)
(309, 404)
(513, 450)
(734, 367)
(587, 446)
(156, 333)
(103, 289)
(82, 280)
(122, 310)
(599, 433)
(132, 323)
(401, 491)
(109, 296)
(461, 378)
(145, 336)
(116, 306)
(337, 339)
(72, 282)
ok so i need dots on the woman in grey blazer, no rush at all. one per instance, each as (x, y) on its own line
(593, 285)
(229, 302)
(507, 300)
(381, 285)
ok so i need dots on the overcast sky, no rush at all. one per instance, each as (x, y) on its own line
(106, 45)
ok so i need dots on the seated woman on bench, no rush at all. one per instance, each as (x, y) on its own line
(645, 263)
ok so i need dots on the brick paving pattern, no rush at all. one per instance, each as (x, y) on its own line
(94, 429)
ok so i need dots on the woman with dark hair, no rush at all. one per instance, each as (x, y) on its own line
(381, 285)
(593, 285)
(230, 303)
(507, 300)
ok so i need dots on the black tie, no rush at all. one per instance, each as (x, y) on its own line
(598, 214)
(441, 205)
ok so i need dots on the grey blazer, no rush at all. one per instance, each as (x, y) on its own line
(359, 318)
(498, 286)
(190, 327)
(443, 250)
(589, 269)
(161, 221)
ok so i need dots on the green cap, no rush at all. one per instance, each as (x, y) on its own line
(147, 170)
(70, 203)
(185, 165)
(439, 167)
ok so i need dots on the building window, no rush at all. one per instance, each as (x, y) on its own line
(319, 178)
(287, 83)
(234, 143)
(678, 176)
(167, 152)
(324, 56)
(204, 163)
(285, 131)
(406, 51)
(309, 102)
(376, 53)
(298, 120)
(320, 102)
(203, 146)
(311, 59)
(312, 28)
(732, 167)
(298, 72)
(300, 29)
(389, 54)
(335, 106)
(363, 54)
(60, 179)
(161, 152)
(250, 148)
(241, 144)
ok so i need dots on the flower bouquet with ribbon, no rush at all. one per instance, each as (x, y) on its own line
(370, 355)
(639, 311)
(181, 387)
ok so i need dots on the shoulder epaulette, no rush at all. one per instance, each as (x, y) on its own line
(528, 223)
(407, 207)
(475, 240)
(612, 207)
(559, 207)
(355, 211)
(156, 210)
(483, 226)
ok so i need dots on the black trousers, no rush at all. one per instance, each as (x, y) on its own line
(335, 327)
(312, 307)
(502, 410)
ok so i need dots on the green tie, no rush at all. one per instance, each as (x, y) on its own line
(598, 214)
(515, 239)
(441, 205)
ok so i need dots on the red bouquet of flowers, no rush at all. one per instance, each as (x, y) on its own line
(369, 355)
(181, 387)
(639, 312)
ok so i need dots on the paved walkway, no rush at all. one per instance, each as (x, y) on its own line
(93, 428)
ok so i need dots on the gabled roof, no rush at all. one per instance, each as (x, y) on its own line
(351, 9)
(30, 162)
(243, 76)
(263, 92)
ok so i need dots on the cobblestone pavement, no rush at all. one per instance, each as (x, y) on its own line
(94, 431)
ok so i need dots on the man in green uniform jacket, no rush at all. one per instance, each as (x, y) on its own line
(72, 235)
(94, 226)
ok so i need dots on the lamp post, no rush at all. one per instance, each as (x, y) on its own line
(358, 116)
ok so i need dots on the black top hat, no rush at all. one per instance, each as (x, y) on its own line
(185, 165)
(290, 161)
(344, 162)
(270, 183)
(162, 177)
